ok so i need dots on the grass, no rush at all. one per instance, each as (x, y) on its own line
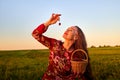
(105, 63)
(31, 64)
(23, 64)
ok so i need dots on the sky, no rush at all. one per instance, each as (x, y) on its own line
(99, 20)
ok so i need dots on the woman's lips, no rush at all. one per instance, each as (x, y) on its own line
(65, 33)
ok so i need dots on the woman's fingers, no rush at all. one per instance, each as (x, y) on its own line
(55, 15)
(55, 18)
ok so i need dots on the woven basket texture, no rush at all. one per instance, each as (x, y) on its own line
(79, 64)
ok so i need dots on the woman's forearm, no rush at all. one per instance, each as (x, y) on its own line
(39, 31)
(47, 24)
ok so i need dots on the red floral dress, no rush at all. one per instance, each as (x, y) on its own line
(59, 67)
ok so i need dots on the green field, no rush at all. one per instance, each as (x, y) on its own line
(31, 64)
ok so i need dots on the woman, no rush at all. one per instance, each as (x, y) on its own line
(59, 67)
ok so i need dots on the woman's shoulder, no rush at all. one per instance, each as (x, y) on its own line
(57, 42)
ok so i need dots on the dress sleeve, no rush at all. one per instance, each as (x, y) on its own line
(38, 35)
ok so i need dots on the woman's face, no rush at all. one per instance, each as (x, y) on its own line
(70, 33)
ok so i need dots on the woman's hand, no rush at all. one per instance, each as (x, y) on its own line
(54, 18)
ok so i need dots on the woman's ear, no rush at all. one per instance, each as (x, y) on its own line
(75, 37)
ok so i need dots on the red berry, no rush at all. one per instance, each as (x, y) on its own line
(59, 24)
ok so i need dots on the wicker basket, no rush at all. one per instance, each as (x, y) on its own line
(79, 67)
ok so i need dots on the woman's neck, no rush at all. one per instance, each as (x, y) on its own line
(68, 45)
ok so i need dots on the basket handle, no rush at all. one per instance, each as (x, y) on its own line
(81, 51)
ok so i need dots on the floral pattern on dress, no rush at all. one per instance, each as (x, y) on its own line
(59, 67)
